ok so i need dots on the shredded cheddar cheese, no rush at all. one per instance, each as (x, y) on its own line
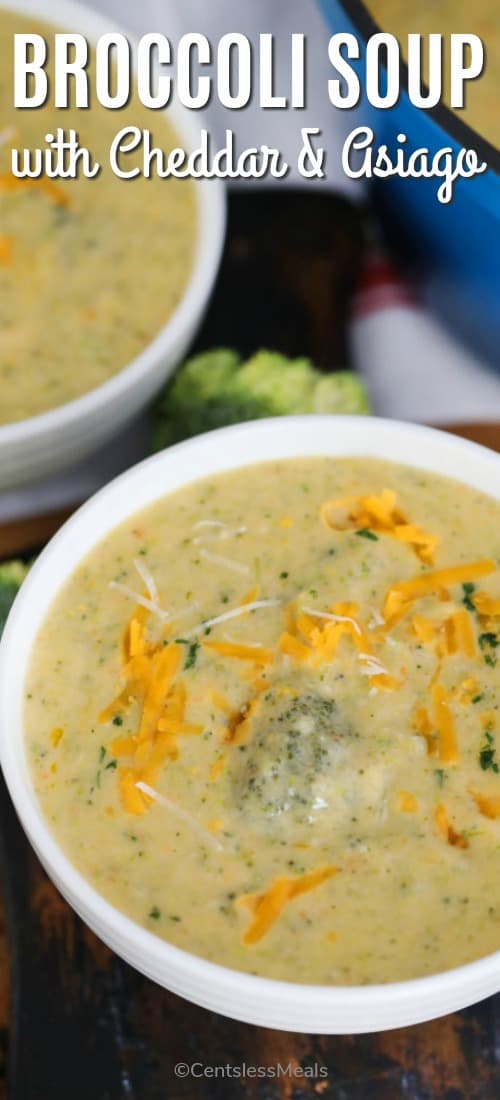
(258, 654)
(382, 514)
(6, 249)
(400, 597)
(267, 907)
(407, 803)
(239, 723)
(217, 768)
(454, 634)
(457, 840)
(486, 605)
(423, 726)
(447, 738)
(488, 805)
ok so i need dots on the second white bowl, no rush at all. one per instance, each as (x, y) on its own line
(34, 448)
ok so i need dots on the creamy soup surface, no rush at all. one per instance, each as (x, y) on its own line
(90, 270)
(446, 17)
(262, 720)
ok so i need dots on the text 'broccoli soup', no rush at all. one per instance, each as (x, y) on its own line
(90, 269)
(262, 720)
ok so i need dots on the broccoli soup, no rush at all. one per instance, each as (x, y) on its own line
(90, 269)
(447, 17)
(262, 720)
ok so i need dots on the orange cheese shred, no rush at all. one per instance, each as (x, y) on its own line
(123, 746)
(379, 513)
(457, 840)
(221, 702)
(134, 801)
(117, 706)
(400, 596)
(407, 803)
(259, 654)
(488, 805)
(177, 728)
(423, 544)
(252, 595)
(422, 724)
(428, 583)
(6, 250)
(447, 739)
(164, 666)
(425, 629)
(463, 632)
(238, 730)
(267, 907)
(136, 639)
(468, 689)
(292, 647)
(217, 768)
(486, 605)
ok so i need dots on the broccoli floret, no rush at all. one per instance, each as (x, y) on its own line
(342, 392)
(205, 376)
(12, 574)
(218, 388)
(294, 744)
(276, 385)
(193, 401)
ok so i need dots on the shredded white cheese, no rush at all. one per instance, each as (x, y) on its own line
(190, 607)
(142, 600)
(371, 666)
(180, 813)
(233, 614)
(331, 617)
(215, 529)
(227, 563)
(146, 576)
(209, 523)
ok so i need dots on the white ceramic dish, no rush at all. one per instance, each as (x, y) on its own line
(327, 1009)
(34, 448)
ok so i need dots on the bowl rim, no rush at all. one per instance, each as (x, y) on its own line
(303, 1007)
(447, 119)
(210, 207)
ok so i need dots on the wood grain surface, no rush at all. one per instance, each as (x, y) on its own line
(76, 1023)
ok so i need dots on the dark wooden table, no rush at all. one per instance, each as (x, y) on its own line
(76, 1023)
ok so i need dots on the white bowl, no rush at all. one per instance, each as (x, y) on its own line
(285, 1005)
(34, 448)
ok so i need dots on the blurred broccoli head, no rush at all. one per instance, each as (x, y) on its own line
(276, 384)
(341, 393)
(12, 574)
(217, 388)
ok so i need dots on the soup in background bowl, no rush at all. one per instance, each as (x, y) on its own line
(90, 269)
(446, 17)
(103, 281)
(252, 733)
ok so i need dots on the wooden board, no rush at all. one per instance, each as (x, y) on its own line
(75, 1022)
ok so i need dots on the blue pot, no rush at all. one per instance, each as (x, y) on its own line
(456, 246)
